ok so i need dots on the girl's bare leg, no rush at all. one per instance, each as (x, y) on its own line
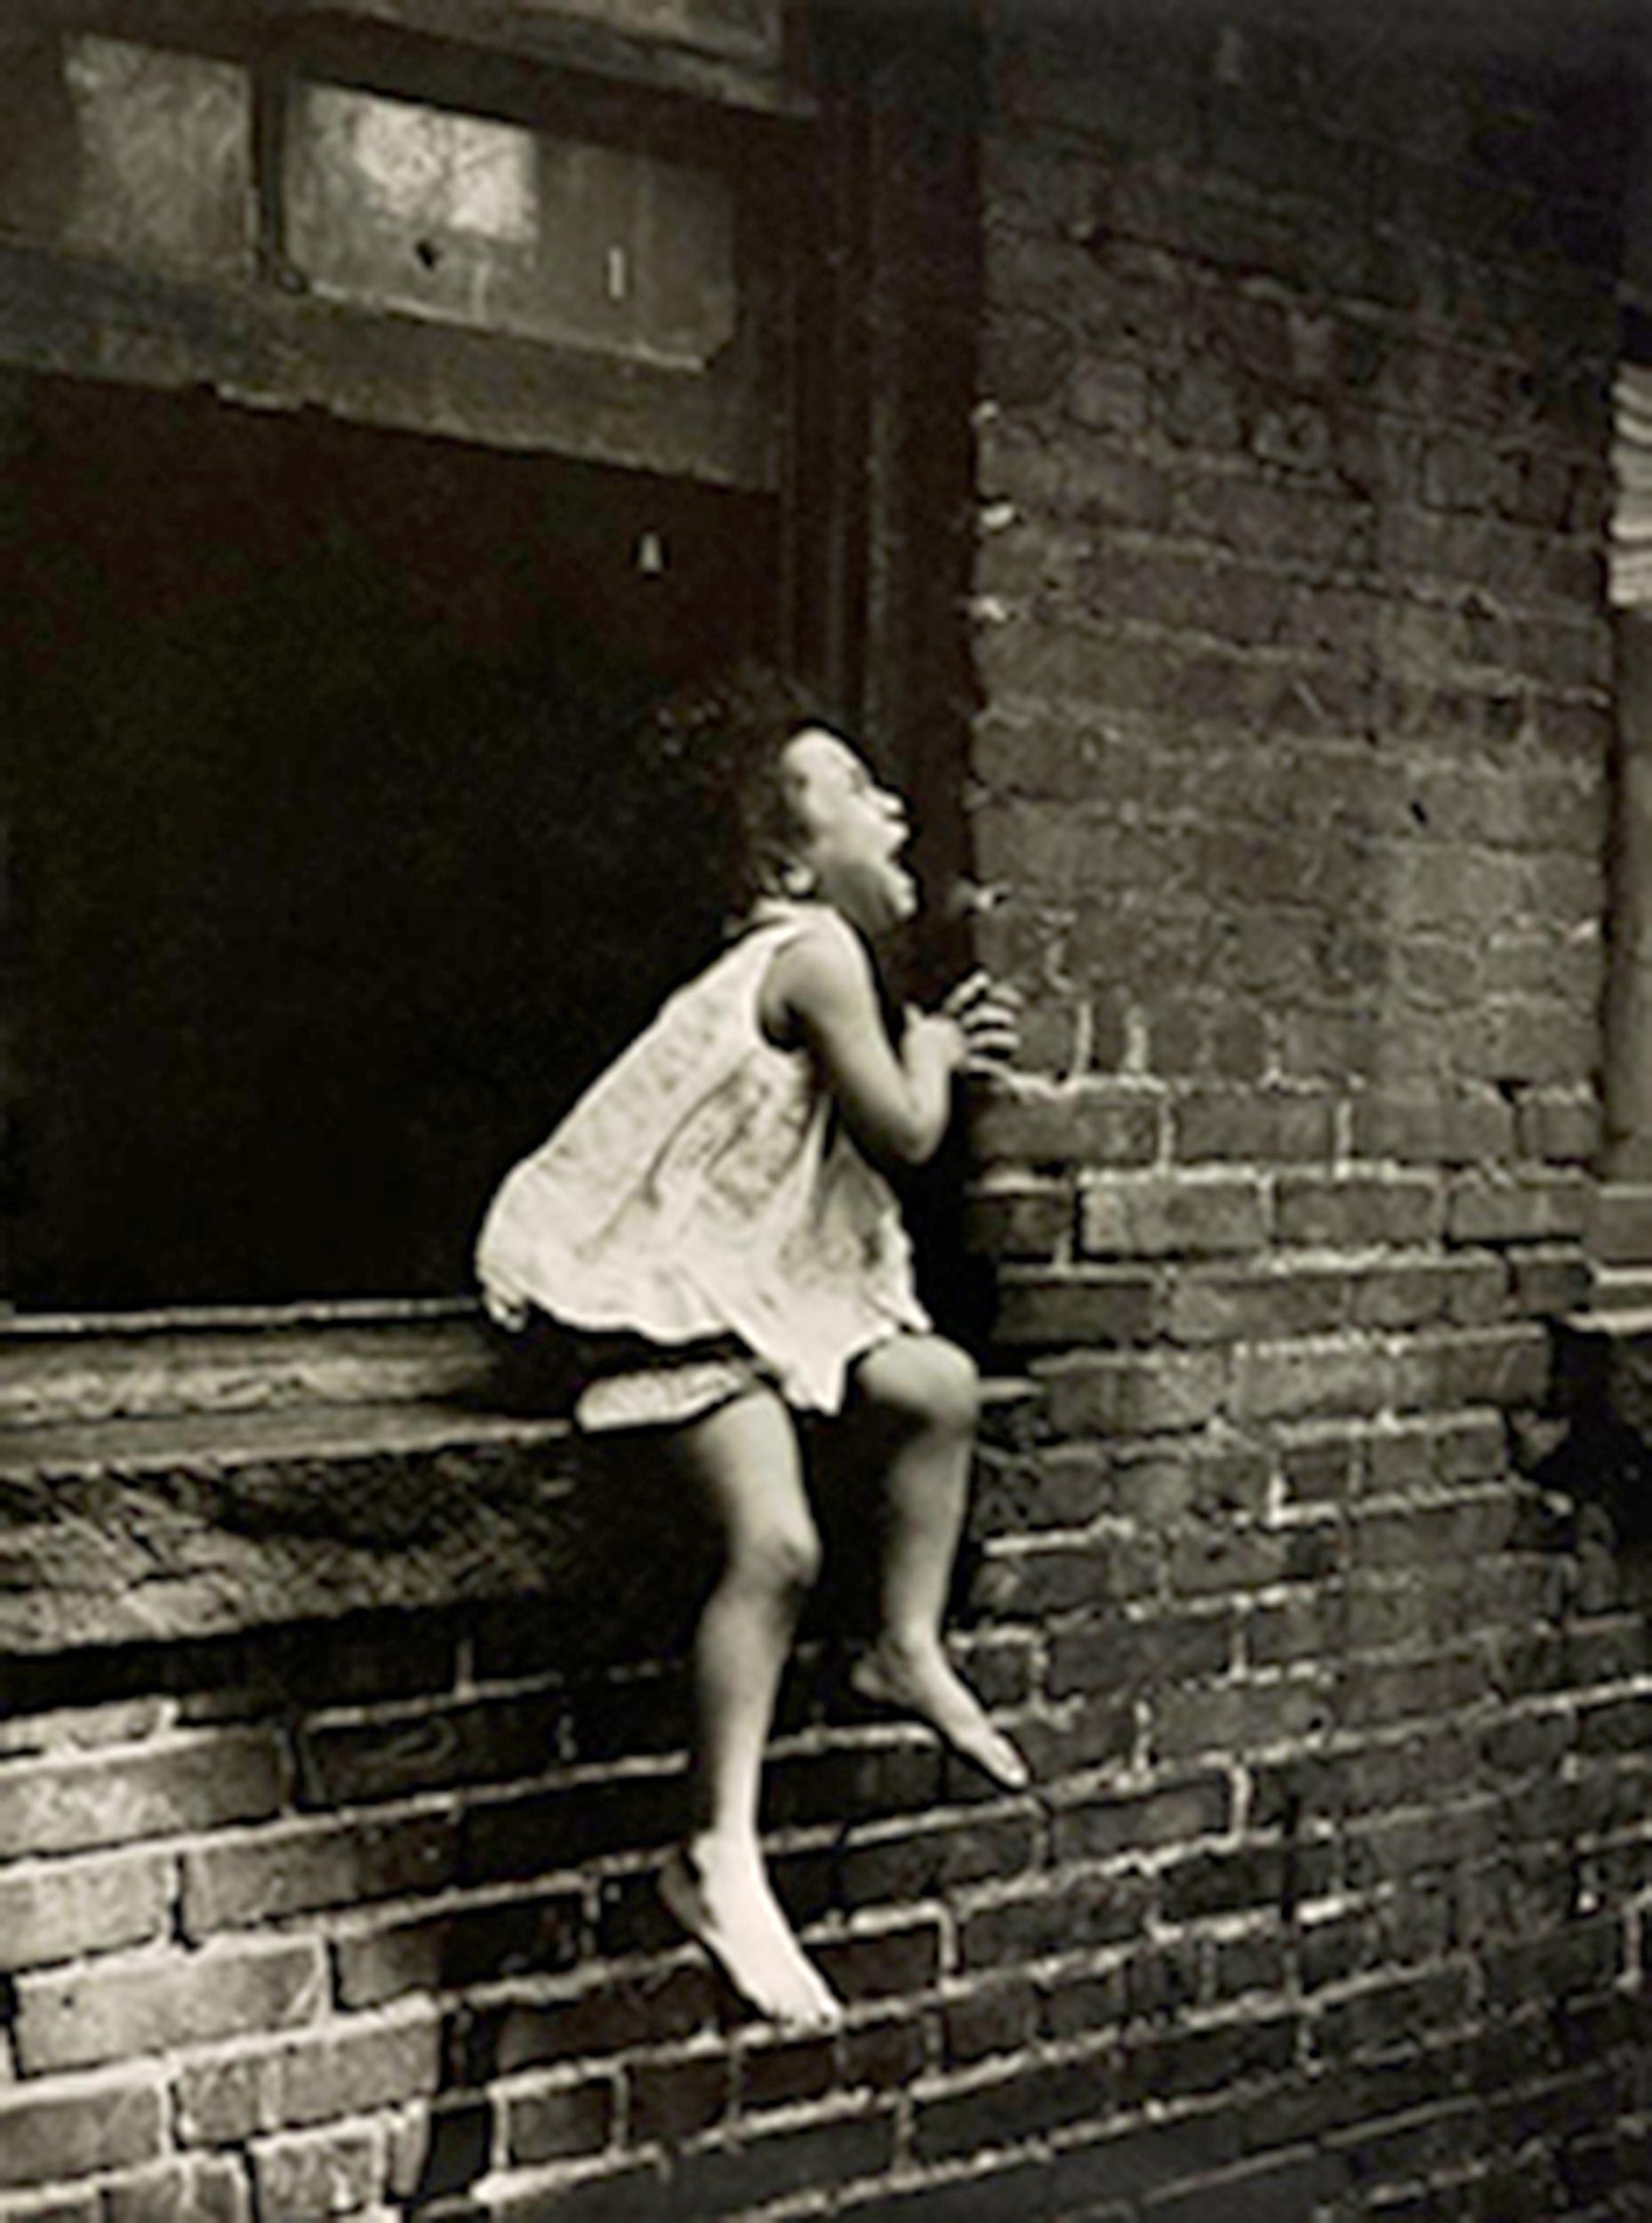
(917, 1401)
(743, 1459)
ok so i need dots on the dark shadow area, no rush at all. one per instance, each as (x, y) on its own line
(338, 883)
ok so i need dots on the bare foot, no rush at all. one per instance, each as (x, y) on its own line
(722, 1897)
(922, 1680)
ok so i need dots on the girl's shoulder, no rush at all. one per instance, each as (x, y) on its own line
(815, 941)
(823, 967)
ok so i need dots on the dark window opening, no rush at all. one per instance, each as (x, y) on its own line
(329, 894)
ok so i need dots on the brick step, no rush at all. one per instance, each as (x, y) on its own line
(1621, 1289)
(1620, 1225)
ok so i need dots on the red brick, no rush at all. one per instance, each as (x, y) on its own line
(524, 1836)
(317, 2172)
(1102, 1828)
(1457, 1292)
(885, 2055)
(1077, 1739)
(1518, 1211)
(1446, 1535)
(1044, 1311)
(1342, 1212)
(60, 1911)
(1548, 1285)
(1064, 1486)
(1187, 2060)
(1221, 1559)
(653, 2007)
(489, 1741)
(1229, 1718)
(863, 1780)
(40, 1724)
(894, 1961)
(459, 1946)
(1033, 2100)
(1164, 1488)
(1057, 1579)
(1078, 1125)
(1206, 1037)
(557, 2121)
(1136, 1217)
(1267, 2190)
(1134, 1395)
(1226, 1305)
(1021, 1221)
(718, 2181)
(1275, 1128)
(1432, 1454)
(1510, 1366)
(783, 2073)
(113, 2009)
(910, 1865)
(352, 2068)
(1388, 2012)
(1315, 1377)
(1043, 1923)
(1587, 1956)
(230, 1883)
(81, 2124)
(1125, 1656)
(110, 1799)
(442, 2148)
(214, 2191)
(1433, 1130)
(999, 2016)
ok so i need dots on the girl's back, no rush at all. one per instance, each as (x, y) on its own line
(702, 1188)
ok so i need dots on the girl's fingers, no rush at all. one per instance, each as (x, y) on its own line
(967, 992)
(994, 1017)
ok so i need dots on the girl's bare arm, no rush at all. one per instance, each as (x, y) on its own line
(896, 1103)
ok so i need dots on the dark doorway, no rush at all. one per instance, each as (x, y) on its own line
(330, 897)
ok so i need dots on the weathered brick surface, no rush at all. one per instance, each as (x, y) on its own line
(111, 2011)
(60, 1911)
(117, 1798)
(53, 2133)
(1290, 759)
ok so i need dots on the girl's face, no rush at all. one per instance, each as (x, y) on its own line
(850, 832)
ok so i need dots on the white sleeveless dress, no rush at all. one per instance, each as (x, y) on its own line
(703, 1196)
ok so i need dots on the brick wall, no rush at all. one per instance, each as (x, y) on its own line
(1290, 762)
(1289, 758)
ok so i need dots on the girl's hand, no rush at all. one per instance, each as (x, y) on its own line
(984, 1012)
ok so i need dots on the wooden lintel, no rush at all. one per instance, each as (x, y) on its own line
(273, 351)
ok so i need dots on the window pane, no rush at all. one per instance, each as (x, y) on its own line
(164, 157)
(478, 222)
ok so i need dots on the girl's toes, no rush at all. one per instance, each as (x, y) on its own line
(741, 1926)
(925, 1686)
(992, 1752)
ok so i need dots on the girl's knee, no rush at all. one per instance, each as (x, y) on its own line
(781, 1557)
(926, 1381)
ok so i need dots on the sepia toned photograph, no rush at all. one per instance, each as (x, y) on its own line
(825, 1111)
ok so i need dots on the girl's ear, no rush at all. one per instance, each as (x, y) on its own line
(796, 878)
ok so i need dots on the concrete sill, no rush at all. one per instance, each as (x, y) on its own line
(180, 1475)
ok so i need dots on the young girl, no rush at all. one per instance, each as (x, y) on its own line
(713, 1206)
